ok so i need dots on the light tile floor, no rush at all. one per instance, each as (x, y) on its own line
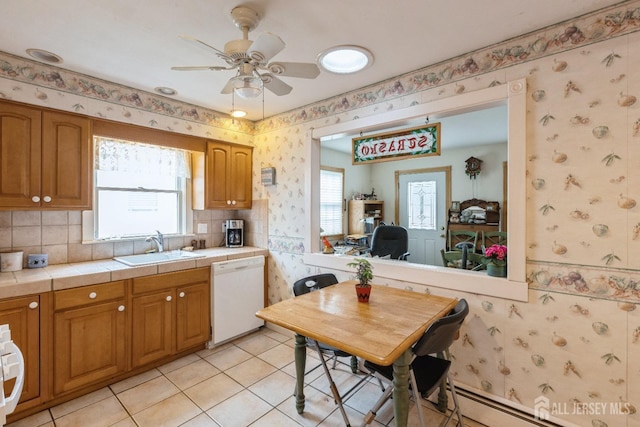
(248, 382)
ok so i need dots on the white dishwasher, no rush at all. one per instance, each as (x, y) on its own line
(237, 293)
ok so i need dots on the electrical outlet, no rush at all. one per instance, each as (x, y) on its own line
(224, 227)
(202, 228)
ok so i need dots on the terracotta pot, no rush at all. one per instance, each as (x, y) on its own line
(363, 293)
(497, 270)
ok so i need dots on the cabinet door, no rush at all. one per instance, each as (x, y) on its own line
(152, 320)
(241, 177)
(89, 345)
(66, 169)
(228, 176)
(217, 170)
(193, 326)
(19, 155)
(23, 317)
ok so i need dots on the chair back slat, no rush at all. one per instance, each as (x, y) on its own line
(441, 334)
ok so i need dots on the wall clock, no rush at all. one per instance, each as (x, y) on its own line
(473, 167)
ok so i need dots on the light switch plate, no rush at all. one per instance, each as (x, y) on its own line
(202, 228)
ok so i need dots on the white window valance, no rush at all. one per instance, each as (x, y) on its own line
(126, 156)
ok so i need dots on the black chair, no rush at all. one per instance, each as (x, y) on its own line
(390, 240)
(313, 283)
(427, 373)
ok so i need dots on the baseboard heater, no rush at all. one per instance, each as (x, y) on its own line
(494, 413)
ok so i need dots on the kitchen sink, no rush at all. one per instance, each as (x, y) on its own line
(156, 257)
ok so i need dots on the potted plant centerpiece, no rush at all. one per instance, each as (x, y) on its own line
(495, 258)
(364, 275)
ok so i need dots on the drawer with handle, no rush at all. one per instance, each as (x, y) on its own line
(88, 295)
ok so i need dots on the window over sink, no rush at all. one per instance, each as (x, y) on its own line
(139, 188)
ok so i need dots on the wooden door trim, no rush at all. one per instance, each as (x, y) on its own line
(445, 169)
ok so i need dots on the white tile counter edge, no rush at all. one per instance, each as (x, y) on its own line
(65, 276)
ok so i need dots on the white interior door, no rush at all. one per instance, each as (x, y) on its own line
(422, 211)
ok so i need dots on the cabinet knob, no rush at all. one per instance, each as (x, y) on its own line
(182, 294)
(228, 202)
(35, 199)
(46, 199)
(93, 295)
(33, 305)
(233, 202)
(168, 298)
(121, 308)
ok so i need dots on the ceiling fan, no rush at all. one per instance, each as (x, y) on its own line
(251, 57)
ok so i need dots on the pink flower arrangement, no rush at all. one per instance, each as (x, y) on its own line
(496, 254)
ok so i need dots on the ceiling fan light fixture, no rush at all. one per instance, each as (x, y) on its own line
(345, 59)
(247, 87)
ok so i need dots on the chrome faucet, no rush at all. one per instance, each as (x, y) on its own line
(159, 239)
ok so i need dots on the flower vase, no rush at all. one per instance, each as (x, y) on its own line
(363, 293)
(496, 270)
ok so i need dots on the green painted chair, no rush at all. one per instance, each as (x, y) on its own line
(453, 259)
(462, 236)
(493, 238)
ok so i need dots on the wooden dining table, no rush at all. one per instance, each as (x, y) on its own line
(381, 331)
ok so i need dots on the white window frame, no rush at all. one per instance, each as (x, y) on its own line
(185, 214)
(334, 231)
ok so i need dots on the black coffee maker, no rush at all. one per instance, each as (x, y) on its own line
(234, 233)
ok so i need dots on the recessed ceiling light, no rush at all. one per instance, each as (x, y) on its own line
(345, 59)
(238, 113)
(43, 55)
(165, 90)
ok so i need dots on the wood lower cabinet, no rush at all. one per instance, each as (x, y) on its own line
(90, 335)
(23, 317)
(228, 176)
(46, 159)
(170, 313)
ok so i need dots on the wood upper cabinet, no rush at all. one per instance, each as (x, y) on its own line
(170, 313)
(23, 317)
(66, 166)
(90, 335)
(45, 158)
(228, 176)
(20, 155)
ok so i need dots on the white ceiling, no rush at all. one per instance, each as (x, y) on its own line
(136, 43)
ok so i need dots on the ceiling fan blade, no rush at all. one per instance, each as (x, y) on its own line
(265, 47)
(304, 70)
(275, 85)
(202, 44)
(203, 67)
(228, 88)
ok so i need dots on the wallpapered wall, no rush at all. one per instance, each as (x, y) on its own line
(577, 341)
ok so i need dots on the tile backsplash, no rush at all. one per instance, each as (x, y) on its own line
(59, 234)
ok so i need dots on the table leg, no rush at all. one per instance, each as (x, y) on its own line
(401, 389)
(300, 353)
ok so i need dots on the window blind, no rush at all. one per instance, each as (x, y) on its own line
(331, 202)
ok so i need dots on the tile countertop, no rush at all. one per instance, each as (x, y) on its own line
(65, 276)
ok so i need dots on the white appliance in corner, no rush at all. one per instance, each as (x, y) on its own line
(237, 293)
(11, 366)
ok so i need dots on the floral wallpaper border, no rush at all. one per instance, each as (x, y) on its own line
(590, 281)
